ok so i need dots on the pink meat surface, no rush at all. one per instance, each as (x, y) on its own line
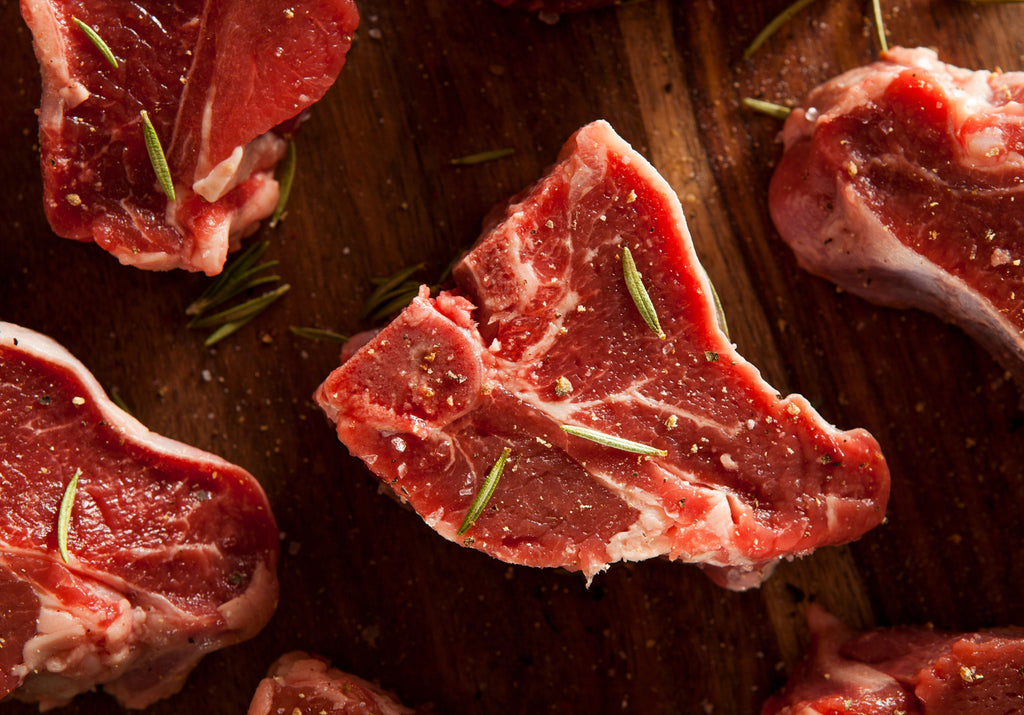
(301, 684)
(216, 84)
(900, 182)
(172, 552)
(908, 670)
(543, 333)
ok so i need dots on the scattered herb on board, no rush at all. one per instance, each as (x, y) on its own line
(233, 318)
(394, 292)
(626, 445)
(318, 334)
(635, 285)
(391, 293)
(482, 157)
(64, 514)
(156, 155)
(876, 6)
(241, 275)
(777, 111)
(772, 27)
(484, 495)
(94, 38)
(284, 185)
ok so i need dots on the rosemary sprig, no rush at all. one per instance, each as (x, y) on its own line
(95, 38)
(770, 108)
(483, 157)
(635, 286)
(484, 495)
(318, 334)
(64, 515)
(116, 398)
(608, 440)
(284, 185)
(772, 27)
(879, 25)
(391, 290)
(236, 316)
(156, 156)
(239, 276)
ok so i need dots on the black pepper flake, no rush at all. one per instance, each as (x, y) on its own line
(45, 400)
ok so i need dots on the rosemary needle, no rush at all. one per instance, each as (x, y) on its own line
(770, 108)
(284, 185)
(484, 495)
(608, 440)
(95, 38)
(635, 286)
(318, 334)
(879, 26)
(772, 27)
(243, 311)
(64, 514)
(156, 155)
(482, 157)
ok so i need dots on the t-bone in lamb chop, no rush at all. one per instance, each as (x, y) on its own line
(543, 350)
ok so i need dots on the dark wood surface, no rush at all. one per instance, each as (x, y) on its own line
(364, 581)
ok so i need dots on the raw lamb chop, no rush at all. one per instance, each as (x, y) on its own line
(908, 670)
(301, 684)
(900, 182)
(171, 552)
(544, 334)
(216, 85)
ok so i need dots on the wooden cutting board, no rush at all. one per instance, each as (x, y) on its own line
(364, 581)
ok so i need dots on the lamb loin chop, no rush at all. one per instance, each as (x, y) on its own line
(903, 182)
(124, 556)
(302, 684)
(696, 457)
(904, 670)
(221, 92)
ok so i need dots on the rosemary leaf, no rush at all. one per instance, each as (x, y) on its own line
(243, 312)
(880, 26)
(772, 27)
(719, 310)
(396, 301)
(95, 38)
(483, 157)
(318, 334)
(156, 156)
(386, 288)
(635, 285)
(284, 185)
(64, 514)
(484, 495)
(614, 442)
(770, 108)
(116, 398)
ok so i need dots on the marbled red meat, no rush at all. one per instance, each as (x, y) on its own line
(543, 333)
(908, 670)
(172, 552)
(215, 83)
(903, 182)
(301, 684)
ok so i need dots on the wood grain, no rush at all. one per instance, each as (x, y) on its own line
(364, 581)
